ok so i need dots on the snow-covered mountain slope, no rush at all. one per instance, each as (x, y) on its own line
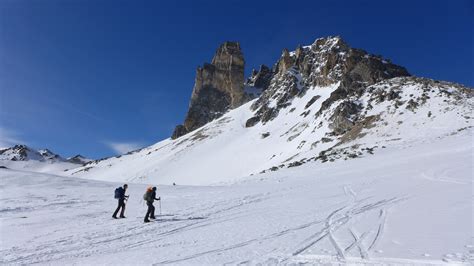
(408, 204)
(315, 126)
(25, 153)
(22, 157)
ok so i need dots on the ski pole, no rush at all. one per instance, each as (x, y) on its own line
(125, 200)
(160, 206)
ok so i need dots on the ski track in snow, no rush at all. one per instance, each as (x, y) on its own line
(358, 242)
(333, 225)
(383, 215)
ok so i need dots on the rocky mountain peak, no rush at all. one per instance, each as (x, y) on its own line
(226, 54)
(331, 59)
(25, 153)
(218, 87)
(327, 61)
(330, 42)
(17, 153)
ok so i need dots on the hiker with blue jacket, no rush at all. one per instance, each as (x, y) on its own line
(150, 197)
(120, 196)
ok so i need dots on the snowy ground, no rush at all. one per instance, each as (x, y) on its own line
(405, 205)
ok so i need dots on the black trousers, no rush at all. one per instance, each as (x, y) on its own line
(151, 210)
(121, 205)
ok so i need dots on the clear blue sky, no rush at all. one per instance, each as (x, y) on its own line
(96, 77)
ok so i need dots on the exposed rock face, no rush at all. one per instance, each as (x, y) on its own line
(218, 87)
(78, 159)
(179, 131)
(327, 61)
(260, 79)
(342, 119)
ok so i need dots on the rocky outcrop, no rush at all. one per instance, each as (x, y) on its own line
(78, 159)
(327, 61)
(260, 79)
(218, 87)
(342, 120)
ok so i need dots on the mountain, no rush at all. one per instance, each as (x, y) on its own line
(42, 160)
(25, 153)
(318, 104)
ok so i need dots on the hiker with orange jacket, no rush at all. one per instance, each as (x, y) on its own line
(150, 197)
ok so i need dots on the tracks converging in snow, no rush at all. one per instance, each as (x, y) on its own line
(341, 217)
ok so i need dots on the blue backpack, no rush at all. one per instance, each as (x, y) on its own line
(118, 193)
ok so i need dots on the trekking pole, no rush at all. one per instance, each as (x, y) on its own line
(160, 206)
(125, 202)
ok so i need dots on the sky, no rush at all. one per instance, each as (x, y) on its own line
(101, 78)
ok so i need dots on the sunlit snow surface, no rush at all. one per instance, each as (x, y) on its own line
(406, 204)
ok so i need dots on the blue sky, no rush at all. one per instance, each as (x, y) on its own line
(102, 77)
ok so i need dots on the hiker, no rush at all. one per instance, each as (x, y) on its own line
(120, 196)
(149, 197)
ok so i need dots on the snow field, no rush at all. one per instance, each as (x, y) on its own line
(409, 205)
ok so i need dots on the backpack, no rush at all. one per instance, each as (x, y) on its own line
(147, 196)
(118, 193)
